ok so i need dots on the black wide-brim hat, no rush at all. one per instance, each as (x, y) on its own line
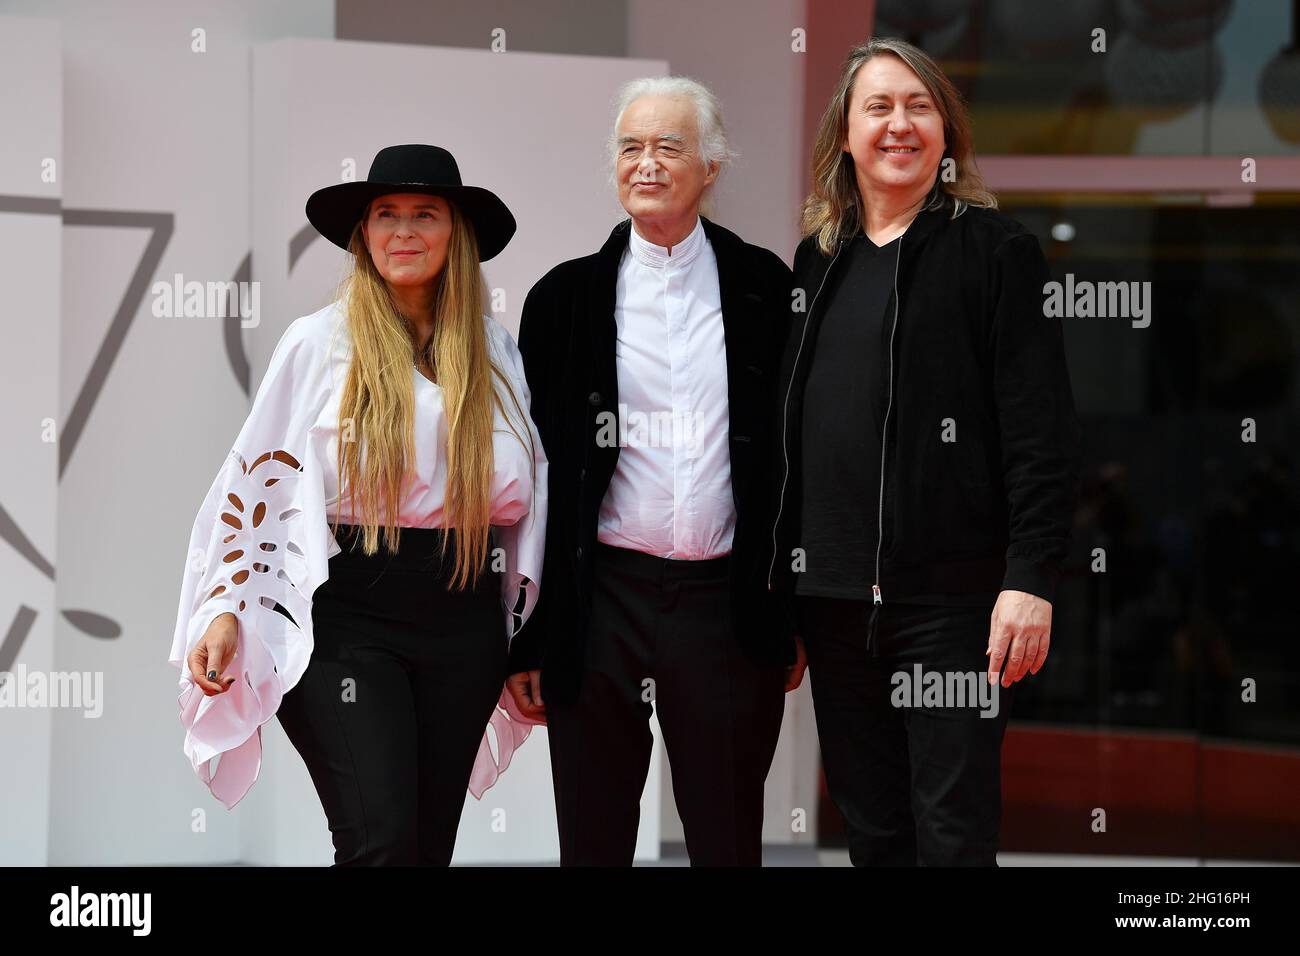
(413, 168)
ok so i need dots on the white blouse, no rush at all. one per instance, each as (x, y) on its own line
(262, 537)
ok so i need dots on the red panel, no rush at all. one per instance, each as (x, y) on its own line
(1164, 795)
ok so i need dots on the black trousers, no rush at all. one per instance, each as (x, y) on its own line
(915, 785)
(402, 682)
(661, 630)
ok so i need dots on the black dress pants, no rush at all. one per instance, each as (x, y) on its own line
(661, 630)
(401, 685)
(915, 785)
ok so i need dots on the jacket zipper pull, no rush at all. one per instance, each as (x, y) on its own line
(875, 594)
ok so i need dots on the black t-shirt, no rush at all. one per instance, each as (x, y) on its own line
(843, 415)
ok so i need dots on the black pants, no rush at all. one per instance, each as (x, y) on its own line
(402, 682)
(915, 785)
(661, 629)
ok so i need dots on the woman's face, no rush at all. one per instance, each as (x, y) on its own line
(407, 235)
(895, 132)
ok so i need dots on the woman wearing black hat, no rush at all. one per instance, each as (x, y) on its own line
(368, 600)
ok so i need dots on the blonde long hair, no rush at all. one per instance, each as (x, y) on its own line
(377, 407)
(834, 208)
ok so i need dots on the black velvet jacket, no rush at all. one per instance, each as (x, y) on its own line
(567, 337)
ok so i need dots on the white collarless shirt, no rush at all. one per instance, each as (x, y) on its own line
(670, 494)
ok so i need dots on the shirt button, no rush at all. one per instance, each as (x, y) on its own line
(594, 398)
(582, 474)
(579, 552)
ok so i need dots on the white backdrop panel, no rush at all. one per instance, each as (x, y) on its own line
(31, 115)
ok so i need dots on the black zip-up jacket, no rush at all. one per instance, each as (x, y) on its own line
(973, 358)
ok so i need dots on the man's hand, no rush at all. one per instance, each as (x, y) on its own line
(1021, 624)
(794, 673)
(526, 689)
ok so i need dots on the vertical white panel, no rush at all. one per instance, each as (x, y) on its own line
(155, 177)
(30, 189)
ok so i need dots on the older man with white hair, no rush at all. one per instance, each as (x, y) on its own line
(652, 366)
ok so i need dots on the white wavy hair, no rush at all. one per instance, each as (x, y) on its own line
(714, 146)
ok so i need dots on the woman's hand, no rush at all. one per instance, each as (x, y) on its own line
(214, 651)
(526, 689)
